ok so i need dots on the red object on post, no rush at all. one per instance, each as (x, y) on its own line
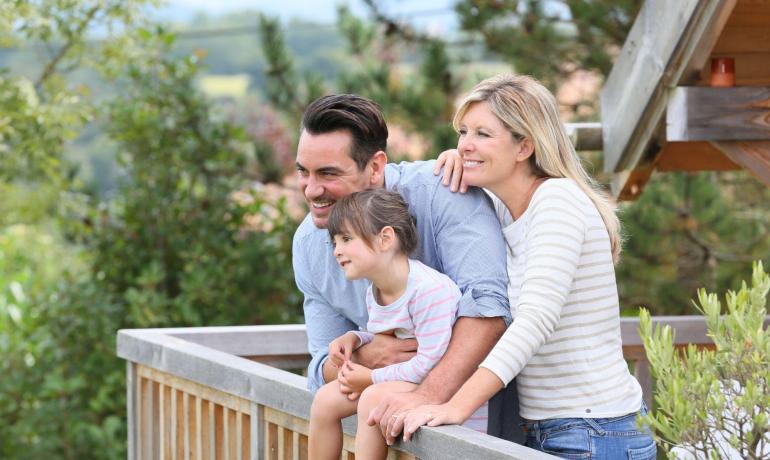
(722, 72)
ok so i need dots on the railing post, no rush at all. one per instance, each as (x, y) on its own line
(642, 374)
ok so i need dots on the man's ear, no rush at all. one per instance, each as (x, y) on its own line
(526, 149)
(377, 168)
(387, 238)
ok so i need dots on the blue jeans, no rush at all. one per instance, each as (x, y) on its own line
(597, 438)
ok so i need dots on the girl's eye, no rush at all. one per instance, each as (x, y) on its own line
(483, 134)
(462, 131)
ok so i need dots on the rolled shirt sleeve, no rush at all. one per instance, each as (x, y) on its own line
(469, 243)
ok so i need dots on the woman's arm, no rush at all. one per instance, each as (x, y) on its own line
(482, 385)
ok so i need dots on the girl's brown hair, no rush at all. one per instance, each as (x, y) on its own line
(367, 212)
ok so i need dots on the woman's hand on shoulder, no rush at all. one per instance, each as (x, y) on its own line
(452, 163)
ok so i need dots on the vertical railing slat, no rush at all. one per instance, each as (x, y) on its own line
(196, 431)
(238, 436)
(172, 421)
(232, 439)
(186, 426)
(246, 437)
(132, 415)
(220, 431)
(257, 429)
(162, 429)
(271, 445)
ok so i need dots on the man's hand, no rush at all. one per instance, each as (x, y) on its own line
(341, 348)
(385, 350)
(354, 378)
(390, 413)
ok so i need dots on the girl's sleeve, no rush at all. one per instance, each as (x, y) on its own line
(433, 310)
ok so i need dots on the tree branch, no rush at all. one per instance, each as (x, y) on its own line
(50, 68)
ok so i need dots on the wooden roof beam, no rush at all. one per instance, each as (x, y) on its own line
(667, 46)
(718, 114)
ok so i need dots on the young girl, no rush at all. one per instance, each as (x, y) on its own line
(576, 394)
(373, 233)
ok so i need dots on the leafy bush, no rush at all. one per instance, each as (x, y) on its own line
(715, 403)
(174, 248)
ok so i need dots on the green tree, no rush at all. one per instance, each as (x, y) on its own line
(551, 40)
(422, 100)
(185, 242)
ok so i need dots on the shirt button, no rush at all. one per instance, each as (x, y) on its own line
(588, 411)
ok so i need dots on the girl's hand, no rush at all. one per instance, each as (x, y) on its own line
(341, 348)
(445, 414)
(355, 377)
(453, 170)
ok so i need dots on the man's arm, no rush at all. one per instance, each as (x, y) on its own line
(385, 350)
(323, 322)
(472, 340)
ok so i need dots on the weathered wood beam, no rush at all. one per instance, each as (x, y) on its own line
(752, 155)
(585, 136)
(668, 45)
(721, 114)
(693, 156)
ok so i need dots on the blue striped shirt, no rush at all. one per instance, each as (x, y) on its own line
(459, 235)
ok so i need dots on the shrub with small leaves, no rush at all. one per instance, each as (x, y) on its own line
(715, 403)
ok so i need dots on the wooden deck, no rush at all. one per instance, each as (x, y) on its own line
(225, 393)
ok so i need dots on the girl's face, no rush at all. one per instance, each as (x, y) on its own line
(487, 147)
(357, 259)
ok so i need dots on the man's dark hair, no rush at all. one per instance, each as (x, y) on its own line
(355, 114)
(367, 212)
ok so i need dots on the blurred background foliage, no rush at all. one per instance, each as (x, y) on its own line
(146, 177)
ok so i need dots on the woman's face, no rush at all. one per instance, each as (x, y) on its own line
(487, 147)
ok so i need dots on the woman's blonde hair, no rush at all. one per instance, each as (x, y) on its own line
(530, 111)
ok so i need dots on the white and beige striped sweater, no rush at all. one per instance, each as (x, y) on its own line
(564, 344)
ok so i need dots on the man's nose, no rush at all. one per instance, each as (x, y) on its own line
(313, 189)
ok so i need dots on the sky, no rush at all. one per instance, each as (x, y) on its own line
(431, 15)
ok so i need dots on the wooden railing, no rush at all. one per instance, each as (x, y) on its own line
(224, 393)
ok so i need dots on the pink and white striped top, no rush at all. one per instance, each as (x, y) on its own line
(426, 310)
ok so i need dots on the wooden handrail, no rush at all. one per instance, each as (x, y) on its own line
(191, 394)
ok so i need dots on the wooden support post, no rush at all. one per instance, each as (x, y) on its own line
(752, 155)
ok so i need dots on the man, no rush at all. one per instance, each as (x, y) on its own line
(341, 150)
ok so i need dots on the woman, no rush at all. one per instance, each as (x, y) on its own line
(576, 394)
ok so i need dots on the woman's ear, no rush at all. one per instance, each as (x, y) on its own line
(387, 238)
(526, 149)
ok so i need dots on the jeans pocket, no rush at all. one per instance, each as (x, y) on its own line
(643, 453)
(568, 443)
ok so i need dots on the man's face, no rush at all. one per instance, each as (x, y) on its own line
(327, 173)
